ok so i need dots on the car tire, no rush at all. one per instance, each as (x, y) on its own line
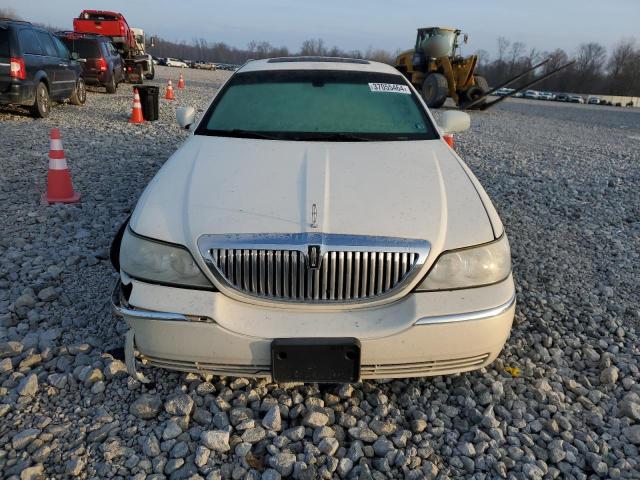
(42, 104)
(112, 85)
(150, 76)
(140, 74)
(79, 95)
(435, 90)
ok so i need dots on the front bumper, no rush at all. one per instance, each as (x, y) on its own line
(424, 334)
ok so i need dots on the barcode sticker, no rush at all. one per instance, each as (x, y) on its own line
(389, 87)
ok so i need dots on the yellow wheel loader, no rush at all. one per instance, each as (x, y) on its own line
(438, 70)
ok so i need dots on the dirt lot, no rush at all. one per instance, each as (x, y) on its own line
(565, 179)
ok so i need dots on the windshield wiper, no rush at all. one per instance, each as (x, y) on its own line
(333, 137)
(236, 132)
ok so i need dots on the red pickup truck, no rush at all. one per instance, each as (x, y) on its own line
(110, 24)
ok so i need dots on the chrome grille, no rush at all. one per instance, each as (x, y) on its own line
(278, 267)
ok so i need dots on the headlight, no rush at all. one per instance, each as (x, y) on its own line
(158, 262)
(470, 267)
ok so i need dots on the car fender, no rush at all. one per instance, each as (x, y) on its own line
(40, 76)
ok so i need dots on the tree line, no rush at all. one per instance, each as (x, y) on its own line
(219, 52)
(593, 71)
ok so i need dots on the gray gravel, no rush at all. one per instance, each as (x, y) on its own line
(565, 180)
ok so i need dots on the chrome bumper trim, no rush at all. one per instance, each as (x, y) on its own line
(469, 316)
(122, 309)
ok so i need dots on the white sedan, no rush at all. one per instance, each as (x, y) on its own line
(175, 62)
(315, 227)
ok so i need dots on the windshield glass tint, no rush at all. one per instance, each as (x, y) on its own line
(84, 48)
(318, 105)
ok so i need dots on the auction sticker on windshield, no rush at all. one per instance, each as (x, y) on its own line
(389, 87)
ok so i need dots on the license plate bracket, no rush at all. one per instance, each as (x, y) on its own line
(315, 360)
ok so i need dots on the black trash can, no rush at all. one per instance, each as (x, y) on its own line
(149, 100)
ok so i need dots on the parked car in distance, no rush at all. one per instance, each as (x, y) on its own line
(532, 94)
(562, 97)
(576, 99)
(36, 68)
(298, 265)
(501, 92)
(545, 96)
(227, 66)
(175, 62)
(205, 66)
(101, 62)
(594, 100)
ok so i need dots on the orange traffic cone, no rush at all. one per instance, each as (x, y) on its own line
(59, 187)
(448, 139)
(181, 82)
(136, 112)
(169, 94)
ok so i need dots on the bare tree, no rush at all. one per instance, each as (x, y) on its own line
(314, 47)
(621, 54)
(483, 56)
(503, 46)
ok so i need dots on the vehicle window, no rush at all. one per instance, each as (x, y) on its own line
(62, 50)
(83, 47)
(318, 105)
(47, 44)
(5, 51)
(113, 49)
(98, 16)
(29, 42)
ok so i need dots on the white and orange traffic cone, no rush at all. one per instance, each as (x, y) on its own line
(59, 186)
(136, 112)
(181, 82)
(448, 139)
(169, 94)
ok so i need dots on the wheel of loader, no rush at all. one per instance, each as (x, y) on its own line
(435, 90)
(478, 90)
(482, 83)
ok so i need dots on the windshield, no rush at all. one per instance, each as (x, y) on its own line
(317, 105)
(84, 48)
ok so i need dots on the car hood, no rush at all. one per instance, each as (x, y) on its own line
(219, 185)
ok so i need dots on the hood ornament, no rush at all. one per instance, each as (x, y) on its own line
(314, 216)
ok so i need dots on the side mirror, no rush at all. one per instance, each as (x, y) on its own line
(454, 121)
(185, 116)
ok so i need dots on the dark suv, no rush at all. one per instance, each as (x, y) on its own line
(101, 62)
(35, 68)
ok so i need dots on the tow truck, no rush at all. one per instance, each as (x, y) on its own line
(130, 42)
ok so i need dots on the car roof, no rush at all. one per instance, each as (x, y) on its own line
(317, 63)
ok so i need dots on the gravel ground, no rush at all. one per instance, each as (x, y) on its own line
(562, 400)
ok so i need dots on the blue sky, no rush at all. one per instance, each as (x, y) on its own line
(359, 24)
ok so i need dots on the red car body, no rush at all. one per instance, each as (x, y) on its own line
(110, 24)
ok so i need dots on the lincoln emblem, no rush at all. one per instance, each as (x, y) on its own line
(314, 256)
